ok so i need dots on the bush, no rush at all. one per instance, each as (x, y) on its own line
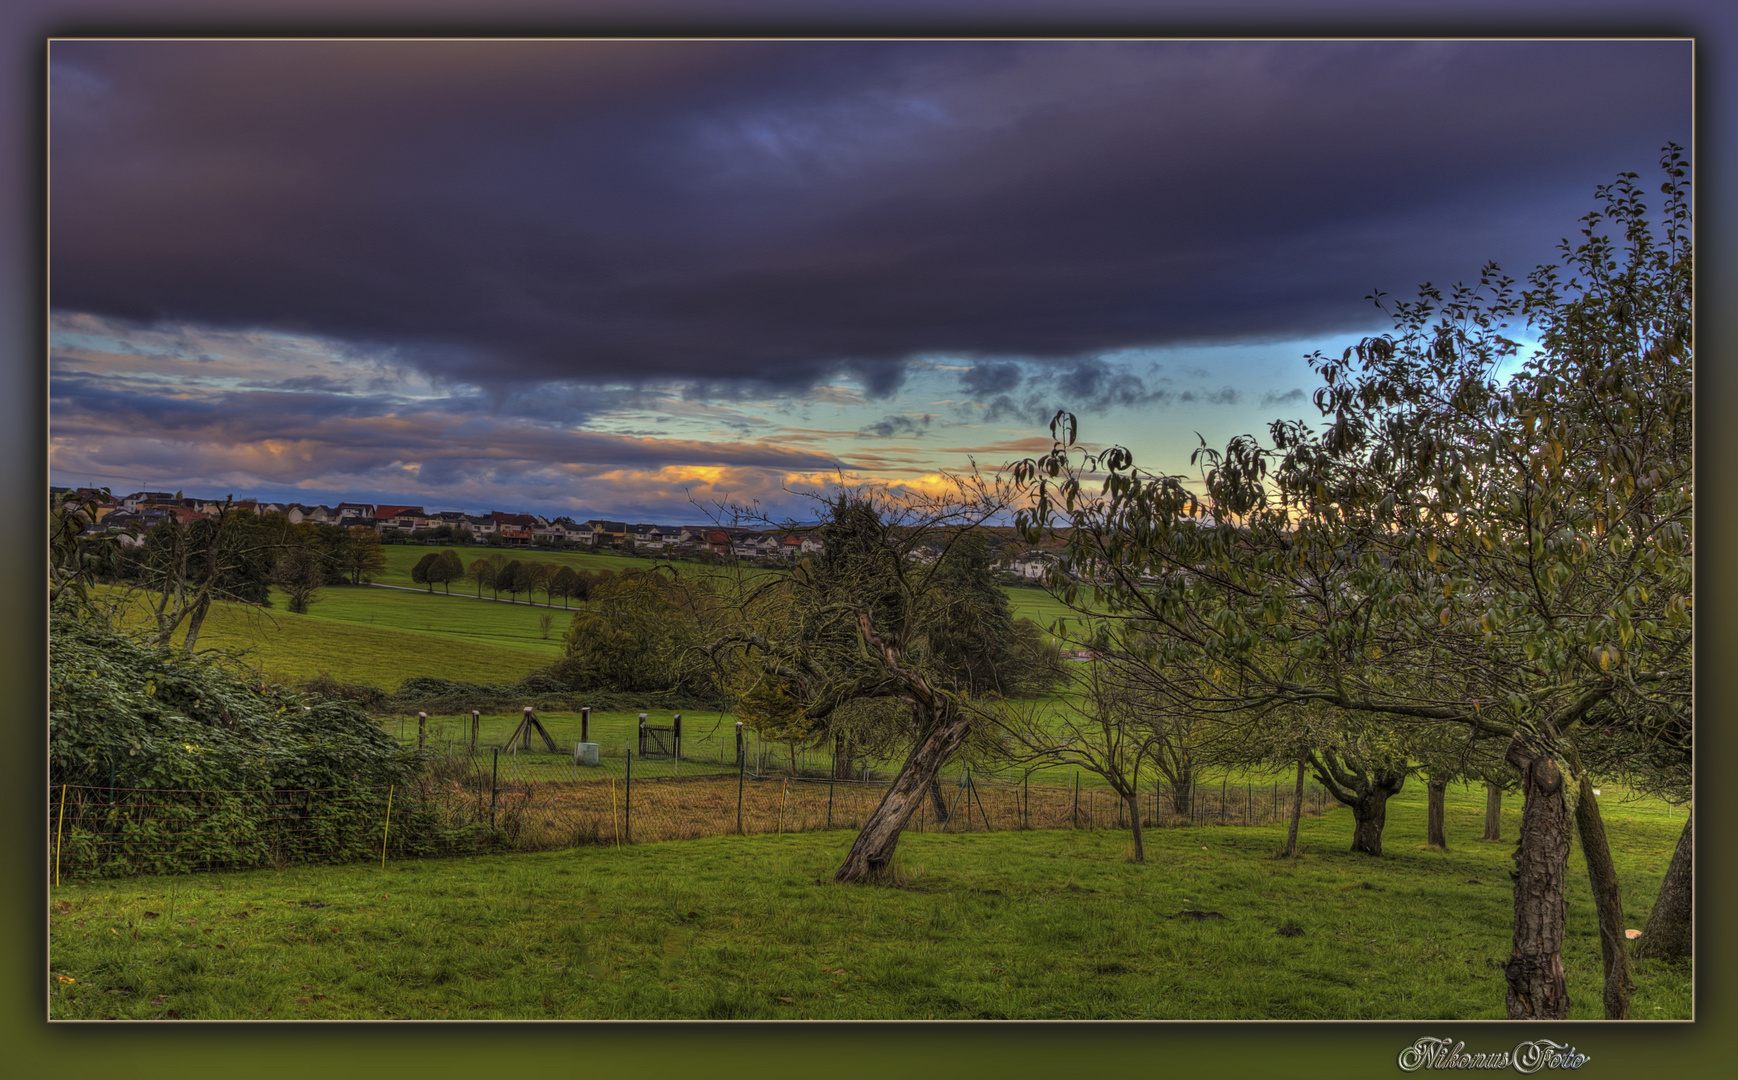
(176, 762)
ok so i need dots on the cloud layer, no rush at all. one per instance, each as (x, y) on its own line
(780, 213)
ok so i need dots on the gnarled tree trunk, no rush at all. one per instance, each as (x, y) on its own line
(871, 856)
(1669, 927)
(1369, 817)
(1437, 803)
(1493, 812)
(1535, 967)
(1366, 791)
(1607, 901)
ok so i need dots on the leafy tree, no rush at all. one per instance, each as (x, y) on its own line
(865, 621)
(512, 579)
(361, 555)
(424, 568)
(482, 571)
(447, 568)
(640, 633)
(1509, 555)
(300, 573)
(562, 583)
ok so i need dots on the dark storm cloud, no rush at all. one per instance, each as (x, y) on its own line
(1080, 386)
(889, 426)
(990, 379)
(780, 214)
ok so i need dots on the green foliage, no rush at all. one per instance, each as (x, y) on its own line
(641, 631)
(207, 749)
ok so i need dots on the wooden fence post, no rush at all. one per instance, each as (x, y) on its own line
(585, 724)
(676, 762)
(421, 729)
(642, 734)
(476, 728)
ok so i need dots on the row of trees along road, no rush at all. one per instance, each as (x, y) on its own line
(1481, 557)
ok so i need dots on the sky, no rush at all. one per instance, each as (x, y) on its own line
(638, 279)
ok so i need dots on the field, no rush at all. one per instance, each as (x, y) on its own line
(1024, 925)
(401, 557)
(382, 636)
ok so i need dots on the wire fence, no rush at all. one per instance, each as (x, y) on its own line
(529, 801)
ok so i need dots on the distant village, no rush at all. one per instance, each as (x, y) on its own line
(133, 515)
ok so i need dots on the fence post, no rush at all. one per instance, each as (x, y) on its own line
(676, 763)
(585, 724)
(494, 787)
(1074, 815)
(968, 791)
(476, 728)
(741, 755)
(421, 729)
(628, 796)
(741, 772)
(1026, 800)
(1222, 782)
(642, 734)
(386, 829)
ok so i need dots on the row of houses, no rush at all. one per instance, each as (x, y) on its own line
(146, 509)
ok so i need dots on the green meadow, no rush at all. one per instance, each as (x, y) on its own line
(1027, 925)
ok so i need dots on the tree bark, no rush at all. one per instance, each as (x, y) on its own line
(938, 800)
(1297, 798)
(1435, 836)
(1183, 797)
(1493, 812)
(1535, 968)
(1668, 933)
(1366, 791)
(1369, 816)
(1607, 902)
(871, 856)
(1133, 801)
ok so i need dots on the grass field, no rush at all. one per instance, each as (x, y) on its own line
(401, 557)
(384, 636)
(1024, 925)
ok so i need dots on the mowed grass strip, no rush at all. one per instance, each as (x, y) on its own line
(1022, 925)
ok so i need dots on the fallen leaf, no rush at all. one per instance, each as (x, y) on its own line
(150, 914)
(1632, 934)
(66, 978)
(786, 1000)
(63, 905)
(172, 1015)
